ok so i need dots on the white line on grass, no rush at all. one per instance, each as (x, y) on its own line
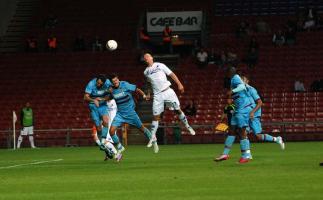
(33, 163)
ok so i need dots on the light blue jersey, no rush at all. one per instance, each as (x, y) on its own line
(253, 94)
(126, 106)
(98, 92)
(241, 98)
(94, 92)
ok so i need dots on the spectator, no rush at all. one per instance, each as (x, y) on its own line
(190, 108)
(27, 124)
(223, 59)
(278, 38)
(79, 44)
(315, 86)
(212, 59)
(242, 30)
(97, 44)
(202, 58)
(309, 20)
(253, 44)
(262, 26)
(144, 37)
(52, 44)
(290, 36)
(252, 58)
(51, 21)
(167, 39)
(299, 86)
(31, 44)
(232, 59)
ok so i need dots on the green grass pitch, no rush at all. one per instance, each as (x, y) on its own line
(177, 172)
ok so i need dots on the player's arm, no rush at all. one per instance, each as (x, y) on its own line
(148, 90)
(258, 106)
(139, 91)
(176, 80)
(88, 99)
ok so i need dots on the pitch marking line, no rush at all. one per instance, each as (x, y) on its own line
(33, 163)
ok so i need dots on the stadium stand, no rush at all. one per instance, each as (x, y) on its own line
(54, 83)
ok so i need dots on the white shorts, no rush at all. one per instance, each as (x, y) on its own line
(166, 98)
(27, 130)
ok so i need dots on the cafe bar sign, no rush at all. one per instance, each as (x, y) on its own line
(177, 21)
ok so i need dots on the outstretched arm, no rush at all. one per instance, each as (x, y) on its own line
(179, 84)
(144, 96)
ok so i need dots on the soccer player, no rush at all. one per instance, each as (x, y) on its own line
(96, 94)
(121, 92)
(240, 118)
(163, 95)
(255, 116)
(27, 122)
(112, 111)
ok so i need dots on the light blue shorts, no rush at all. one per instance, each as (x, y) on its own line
(130, 118)
(97, 113)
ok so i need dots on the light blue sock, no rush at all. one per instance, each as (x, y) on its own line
(104, 132)
(268, 138)
(115, 139)
(147, 133)
(228, 144)
(245, 148)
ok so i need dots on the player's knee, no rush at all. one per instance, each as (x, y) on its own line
(259, 137)
(112, 130)
(98, 128)
(178, 112)
(156, 117)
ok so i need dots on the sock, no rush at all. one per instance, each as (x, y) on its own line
(154, 127)
(19, 141)
(228, 144)
(183, 118)
(31, 140)
(147, 133)
(104, 132)
(111, 148)
(268, 138)
(115, 139)
(97, 141)
(245, 148)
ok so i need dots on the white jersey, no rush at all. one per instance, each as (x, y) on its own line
(112, 105)
(156, 75)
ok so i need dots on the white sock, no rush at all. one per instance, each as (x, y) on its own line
(31, 140)
(111, 148)
(20, 138)
(154, 127)
(183, 118)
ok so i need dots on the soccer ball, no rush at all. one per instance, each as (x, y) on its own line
(111, 45)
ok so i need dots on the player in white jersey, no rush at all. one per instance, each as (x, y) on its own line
(156, 74)
(112, 110)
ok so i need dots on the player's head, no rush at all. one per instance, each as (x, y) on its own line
(245, 79)
(100, 80)
(27, 105)
(231, 71)
(148, 58)
(114, 80)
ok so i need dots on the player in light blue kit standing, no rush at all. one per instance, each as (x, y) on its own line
(240, 118)
(121, 92)
(96, 94)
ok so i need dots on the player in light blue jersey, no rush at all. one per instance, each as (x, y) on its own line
(96, 94)
(121, 92)
(240, 118)
(255, 117)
